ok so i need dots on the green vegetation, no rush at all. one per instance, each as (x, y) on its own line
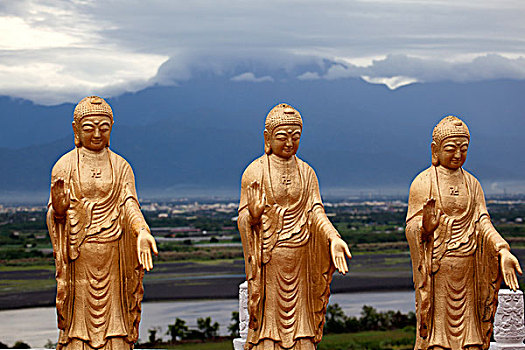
(370, 320)
(207, 233)
(372, 330)
(207, 331)
(367, 227)
(17, 345)
(173, 251)
(399, 339)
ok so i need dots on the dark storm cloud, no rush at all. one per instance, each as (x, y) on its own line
(115, 46)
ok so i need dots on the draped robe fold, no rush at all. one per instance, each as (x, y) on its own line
(456, 270)
(287, 261)
(99, 279)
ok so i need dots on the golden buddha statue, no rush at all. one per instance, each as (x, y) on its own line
(458, 257)
(100, 239)
(290, 247)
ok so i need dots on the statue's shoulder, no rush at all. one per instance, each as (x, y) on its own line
(121, 165)
(304, 165)
(118, 159)
(419, 192)
(63, 164)
(254, 170)
(422, 180)
(420, 187)
(470, 177)
(473, 181)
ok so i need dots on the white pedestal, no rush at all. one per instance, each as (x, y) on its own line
(509, 330)
(238, 343)
(244, 317)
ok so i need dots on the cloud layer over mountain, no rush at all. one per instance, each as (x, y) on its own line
(59, 51)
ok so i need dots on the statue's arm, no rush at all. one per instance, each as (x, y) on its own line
(246, 230)
(137, 223)
(413, 232)
(135, 218)
(253, 199)
(59, 200)
(416, 237)
(489, 232)
(320, 221)
(245, 222)
(509, 264)
(339, 250)
(58, 231)
(322, 224)
(419, 201)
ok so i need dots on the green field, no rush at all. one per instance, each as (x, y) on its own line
(395, 339)
(204, 249)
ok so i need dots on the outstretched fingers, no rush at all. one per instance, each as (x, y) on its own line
(340, 263)
(149, 261)
(518, 267)
(347, 252)
(249, 192)
(260, 192)
(511, 281)
(344, 266)
(139, 254)
(515, 282)
(154, 246)
(337, 263)
(144, 260)
(438, 215)
(514, 278)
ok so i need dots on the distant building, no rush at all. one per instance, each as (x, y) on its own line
(174, 231)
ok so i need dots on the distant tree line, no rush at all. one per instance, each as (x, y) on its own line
(207, 330)
(370, 320)
(18, 345)
(336, 322)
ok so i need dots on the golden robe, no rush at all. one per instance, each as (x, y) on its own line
(99, 279)
(456, 270)
(287, 261)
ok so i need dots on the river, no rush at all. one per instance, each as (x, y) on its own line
(36, 326)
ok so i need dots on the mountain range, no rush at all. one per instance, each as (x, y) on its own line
(199, 135)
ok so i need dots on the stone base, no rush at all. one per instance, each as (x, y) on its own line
(505, 346)
(238, 343)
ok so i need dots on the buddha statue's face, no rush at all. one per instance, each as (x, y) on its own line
(452, 152)
(284, 140)
(93, 132)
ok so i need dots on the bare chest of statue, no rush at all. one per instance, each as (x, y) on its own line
(285, 180)
(95, 173)
(453, 192)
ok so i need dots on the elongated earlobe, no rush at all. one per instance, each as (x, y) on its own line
(267, 147)
(77, 141)
(75, 132)
(434, 151)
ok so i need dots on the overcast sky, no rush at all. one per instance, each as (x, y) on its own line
(54, 51)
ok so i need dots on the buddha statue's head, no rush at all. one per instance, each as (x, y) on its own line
(92, 123)
(450, 140)
(282, 131)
